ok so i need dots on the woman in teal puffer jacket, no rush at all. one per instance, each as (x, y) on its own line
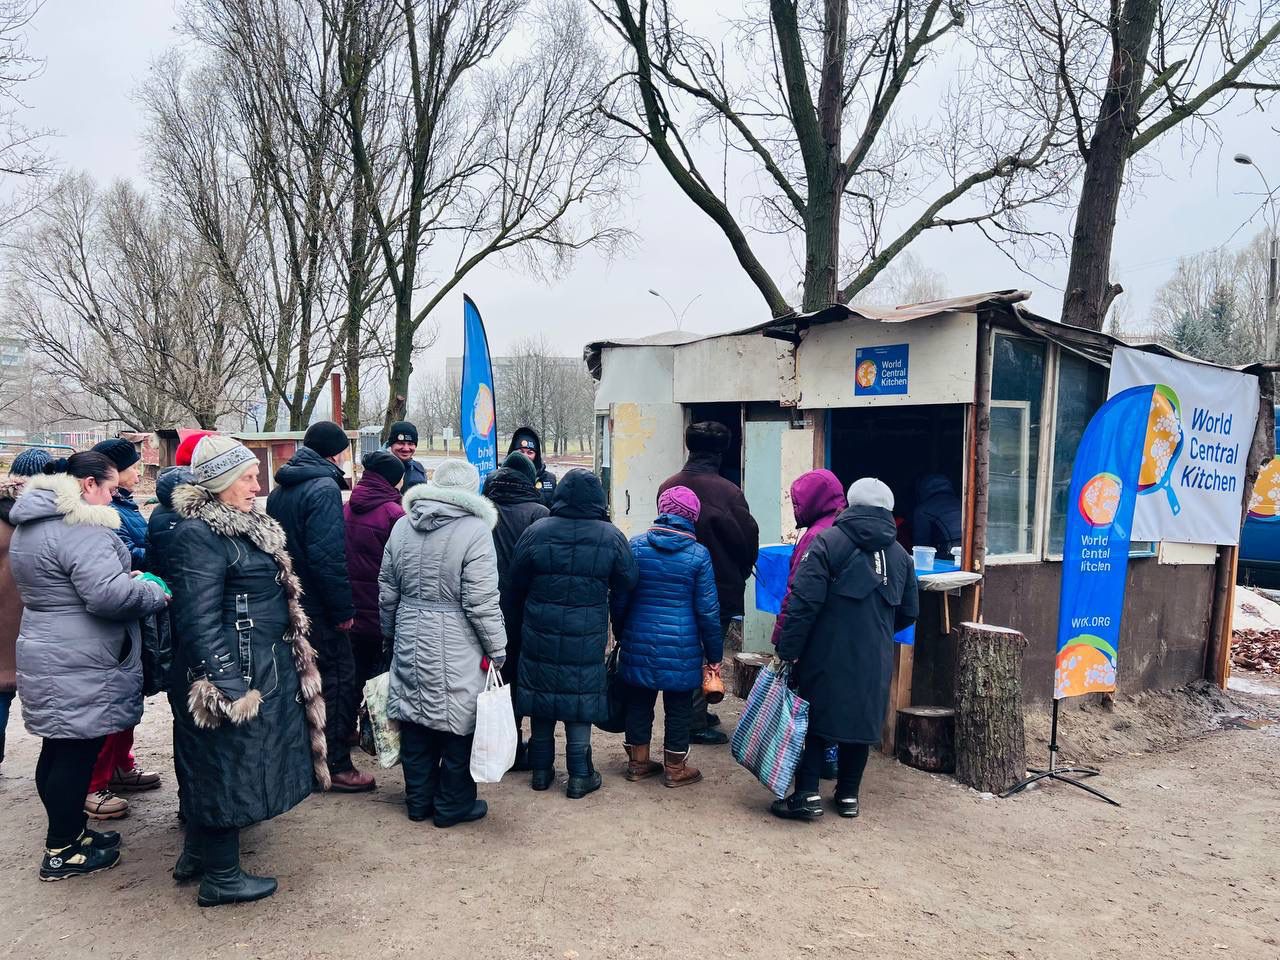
(668, 626)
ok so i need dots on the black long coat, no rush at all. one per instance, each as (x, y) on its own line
(519, 506)
(234, 774)
(307, 503)
(562, 574)
(853, 590)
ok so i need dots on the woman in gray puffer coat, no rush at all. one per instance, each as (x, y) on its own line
(79, 648)
(438, 598)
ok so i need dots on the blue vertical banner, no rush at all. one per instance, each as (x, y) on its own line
(1095, 561)
(479, 414)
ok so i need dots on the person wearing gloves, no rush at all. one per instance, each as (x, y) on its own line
(511, 489)
(527, 442)
(816, 499)
(79, 647)
(248, 711)
(562, 575)
(369, 516)
(438, 593)
(729, 532)
(117, 769)
(27, 464)
(402, 441)
(854, 589)
(307, 502)
(668, 626)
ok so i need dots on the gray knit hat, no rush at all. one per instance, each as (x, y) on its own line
(458, 474)
(218, 462)
(869, 492)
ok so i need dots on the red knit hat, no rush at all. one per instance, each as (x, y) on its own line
(188, 446)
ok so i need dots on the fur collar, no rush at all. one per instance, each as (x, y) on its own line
(473, 503)
(69, 503)
(192, 502)
(207, 704)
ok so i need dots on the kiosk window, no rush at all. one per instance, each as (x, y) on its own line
(1017, 399)
(1082, 389)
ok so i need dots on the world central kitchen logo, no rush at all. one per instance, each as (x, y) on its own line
(1207, 446)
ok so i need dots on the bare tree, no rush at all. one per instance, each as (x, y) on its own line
(1131, 71)
(125, 306)
(811, 96)
(1214, 305)
(248, 144)
(23, 160)
(463, 157)
(906, 280)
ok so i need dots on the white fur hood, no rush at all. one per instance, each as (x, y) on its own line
(429, 506)
(47, 497)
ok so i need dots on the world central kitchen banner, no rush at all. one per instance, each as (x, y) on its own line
(1100, 506)
(1200, 427)
(479, 416)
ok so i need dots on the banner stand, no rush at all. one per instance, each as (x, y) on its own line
(1055, 772)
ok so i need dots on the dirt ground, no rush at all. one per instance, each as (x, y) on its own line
(1187, 868)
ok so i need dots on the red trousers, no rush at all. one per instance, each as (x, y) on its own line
(116, 754)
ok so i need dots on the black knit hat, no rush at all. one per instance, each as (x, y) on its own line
(119, 451)
(523, 465)
(707, 437)
(402, 430)
(384, 464)
(326, 438)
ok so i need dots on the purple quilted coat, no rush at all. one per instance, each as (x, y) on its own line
(370, 514)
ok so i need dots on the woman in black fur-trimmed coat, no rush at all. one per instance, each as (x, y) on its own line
(248, 715)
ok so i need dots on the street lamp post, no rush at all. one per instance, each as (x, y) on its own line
(1273, 252)
(677, 317)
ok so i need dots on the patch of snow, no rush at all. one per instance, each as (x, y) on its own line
(1255, 612)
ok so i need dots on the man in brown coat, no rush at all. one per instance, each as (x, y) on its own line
(26, 464)
(730, 534)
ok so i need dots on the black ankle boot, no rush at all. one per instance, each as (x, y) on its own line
(579, 787)
(224, 882)
(543, 779)
(190, 865)
(798, 806)
(522, 758)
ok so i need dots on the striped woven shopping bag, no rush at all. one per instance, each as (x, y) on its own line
(770, 734)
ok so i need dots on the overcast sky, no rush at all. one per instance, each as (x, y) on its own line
(98, 52)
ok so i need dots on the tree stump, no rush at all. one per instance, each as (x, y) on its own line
(991, 749)
(746, 667)
(926, 738)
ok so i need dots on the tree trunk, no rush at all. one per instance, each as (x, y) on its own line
(991, 749)
(401, 367)
(746, 667)
(356, 285)
(926, 738)
(1089, 288)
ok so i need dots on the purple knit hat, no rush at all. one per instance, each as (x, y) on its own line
(680, 502)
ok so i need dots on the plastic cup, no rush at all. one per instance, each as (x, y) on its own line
(923, 557)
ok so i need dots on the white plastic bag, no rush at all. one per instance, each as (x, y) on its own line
(493, 750)
(386, 732)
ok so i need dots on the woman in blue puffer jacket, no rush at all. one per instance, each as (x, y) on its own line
(668, 626)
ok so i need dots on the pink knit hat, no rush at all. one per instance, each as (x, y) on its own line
(680, 502)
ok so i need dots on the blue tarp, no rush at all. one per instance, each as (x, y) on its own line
(774, 564)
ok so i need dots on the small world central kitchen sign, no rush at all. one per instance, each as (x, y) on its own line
(881, 371)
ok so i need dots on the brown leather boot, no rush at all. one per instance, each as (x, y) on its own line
(677, 772)
(639, 766)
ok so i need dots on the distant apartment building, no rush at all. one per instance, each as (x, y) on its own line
(14, 355)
